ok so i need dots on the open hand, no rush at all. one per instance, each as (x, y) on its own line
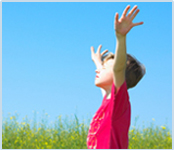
(124, 24)
(96, 57)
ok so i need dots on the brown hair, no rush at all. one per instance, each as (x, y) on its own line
(134, 69)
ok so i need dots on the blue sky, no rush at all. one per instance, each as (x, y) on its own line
(46, 59)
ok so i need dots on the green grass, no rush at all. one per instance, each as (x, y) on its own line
(70, 134)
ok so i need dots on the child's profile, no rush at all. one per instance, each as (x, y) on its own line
(115, 74)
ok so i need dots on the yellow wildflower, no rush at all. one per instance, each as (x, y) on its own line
(23, 123)
(163, 127)
(11, 118)
(169, 138)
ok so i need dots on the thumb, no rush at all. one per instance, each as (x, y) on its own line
(104, 52)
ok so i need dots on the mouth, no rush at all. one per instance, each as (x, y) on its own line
(97, 76)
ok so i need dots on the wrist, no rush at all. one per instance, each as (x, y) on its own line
(98, 63)
(97, 60)
(120, 36)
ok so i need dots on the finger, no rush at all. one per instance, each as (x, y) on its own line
(132, 11)
(125, 11)
(116, 18)
(104, 52)
(99, 49)
(137, 24)
(134, 15)
(92, 49)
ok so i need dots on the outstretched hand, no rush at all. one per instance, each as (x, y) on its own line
(96, 57)
(125, 24)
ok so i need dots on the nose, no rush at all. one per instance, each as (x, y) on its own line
(97, 71)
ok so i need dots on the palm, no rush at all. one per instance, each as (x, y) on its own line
(97, 56)
(124, 24)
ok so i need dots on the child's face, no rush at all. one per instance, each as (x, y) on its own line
(104, 75)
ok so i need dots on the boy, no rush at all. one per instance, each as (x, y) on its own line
(115, 74)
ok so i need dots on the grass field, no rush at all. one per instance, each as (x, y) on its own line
(70, 134)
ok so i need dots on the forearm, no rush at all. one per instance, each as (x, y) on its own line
(120, 53)
(122, 27)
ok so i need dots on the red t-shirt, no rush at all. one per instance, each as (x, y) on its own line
(110, 125)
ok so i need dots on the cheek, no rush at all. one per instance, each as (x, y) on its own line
(105, 79)
(108, 76)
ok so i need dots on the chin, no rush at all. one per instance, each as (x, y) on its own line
(103, 84)
(98, 84)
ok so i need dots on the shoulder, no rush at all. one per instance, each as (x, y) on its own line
(117, 90)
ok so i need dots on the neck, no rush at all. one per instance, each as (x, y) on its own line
(108, 91)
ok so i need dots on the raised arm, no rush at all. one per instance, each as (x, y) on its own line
(96, 57)
(122, 27)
